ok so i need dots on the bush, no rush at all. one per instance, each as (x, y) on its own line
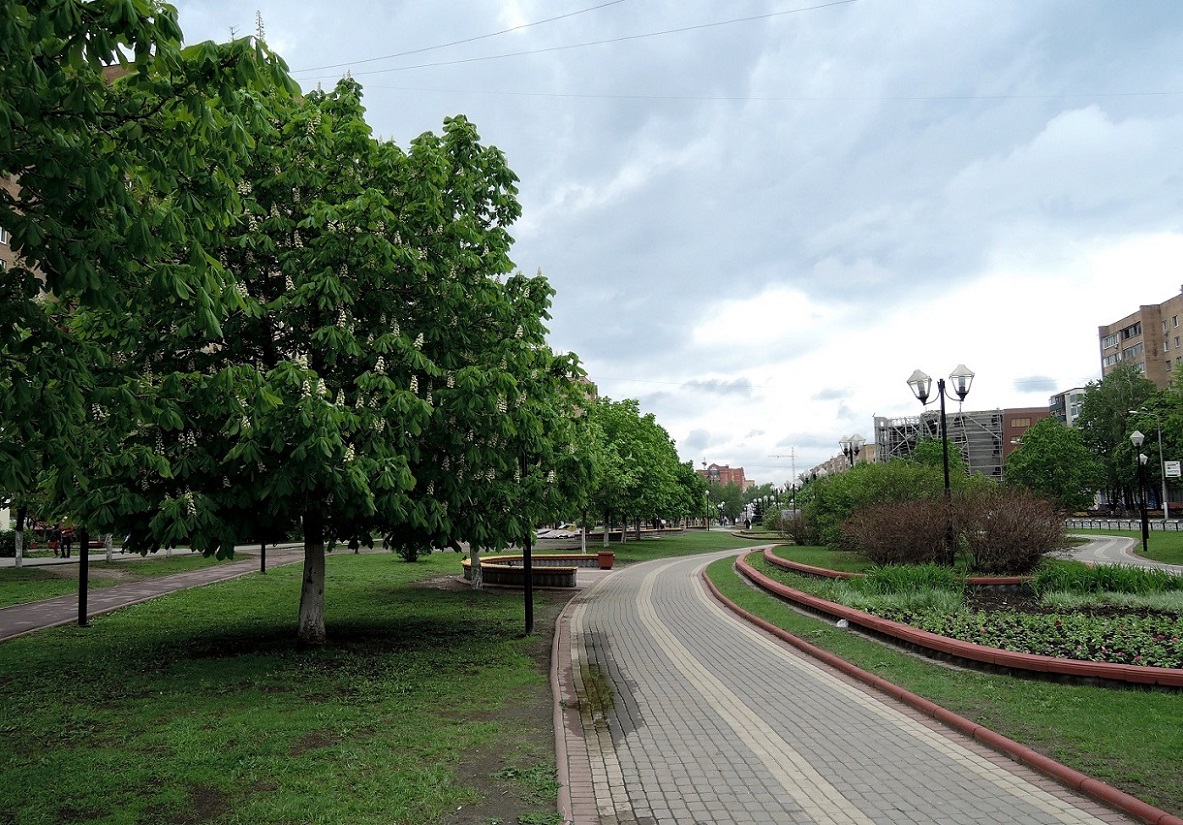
(898, 532)
(8, 543)
(797, 528)
(1007, 530)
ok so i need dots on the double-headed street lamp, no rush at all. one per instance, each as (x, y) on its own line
(851, 446)
(1136, 438)
(961, 378)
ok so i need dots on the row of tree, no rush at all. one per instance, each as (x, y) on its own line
(238, 314)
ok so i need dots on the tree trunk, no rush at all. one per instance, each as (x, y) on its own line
(312, 589)
(477, 579)
(638, 528)
(107, 544)
(583, 534)
(607, 528)
(19, 537)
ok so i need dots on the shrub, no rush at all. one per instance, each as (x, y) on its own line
(8, 543)
(900, 532)
(1007, 530)
(1080, 578)
(797, 528)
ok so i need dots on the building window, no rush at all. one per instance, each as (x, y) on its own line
(1164, 325)
(1175, 321)
(4, 236)
(1110, 341)
(1132, 331)
(1112, 359)
(1020, 422)
(1132, 352)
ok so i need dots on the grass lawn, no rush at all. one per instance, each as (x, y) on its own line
(32, 583)
(1128, 737)
(198, 707)
(1161, 545)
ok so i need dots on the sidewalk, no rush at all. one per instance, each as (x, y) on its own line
(25, 618)
(672, 710)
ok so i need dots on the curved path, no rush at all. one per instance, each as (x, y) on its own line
(1116, 550)
(673, 710)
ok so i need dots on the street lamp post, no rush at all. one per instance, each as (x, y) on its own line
(851, 446)
(961, 378)
(1162, 466)
(1136, 438)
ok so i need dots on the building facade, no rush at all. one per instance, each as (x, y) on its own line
(1150, 338)
(1065, 406)
(1017, 421)
(724, 474)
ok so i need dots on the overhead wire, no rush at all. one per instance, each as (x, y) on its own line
(606, 41)
(465, 40)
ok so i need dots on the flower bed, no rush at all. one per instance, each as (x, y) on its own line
(1137, 648)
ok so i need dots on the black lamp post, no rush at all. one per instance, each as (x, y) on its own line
(1136, 438)
(851, 445)
(961, 378)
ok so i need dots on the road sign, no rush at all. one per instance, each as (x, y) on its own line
(1173, 469)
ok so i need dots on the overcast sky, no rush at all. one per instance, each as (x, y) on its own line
(761, 215)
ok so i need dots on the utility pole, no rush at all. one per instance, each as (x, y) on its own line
(792, 456)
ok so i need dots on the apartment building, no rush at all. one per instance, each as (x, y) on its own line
(1150, 338)
(1065, 406)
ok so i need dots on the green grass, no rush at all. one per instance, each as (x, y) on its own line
(666, 546)
(35, 582)
(199, 707)
(1128, 737)
(1162, 545)
(841, 560)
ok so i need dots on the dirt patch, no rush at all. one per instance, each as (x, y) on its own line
(514, 776)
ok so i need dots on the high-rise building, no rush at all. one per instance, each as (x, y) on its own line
(1151, 339)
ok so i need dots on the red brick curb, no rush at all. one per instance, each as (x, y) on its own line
(1137, 674)
(1093, 788)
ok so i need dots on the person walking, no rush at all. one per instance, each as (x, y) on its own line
(67, 541)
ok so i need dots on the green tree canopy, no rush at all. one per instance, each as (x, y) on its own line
(1053, 462)
(1104, 424)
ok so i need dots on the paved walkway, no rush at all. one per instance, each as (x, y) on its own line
(673, 710)
(24, 618)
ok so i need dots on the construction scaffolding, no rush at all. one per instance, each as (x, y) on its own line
(976, 435)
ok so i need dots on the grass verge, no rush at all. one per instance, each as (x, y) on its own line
(1127, 737)
(198, 707)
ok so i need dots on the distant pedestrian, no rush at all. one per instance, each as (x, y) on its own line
(67, 541)
(57, 540)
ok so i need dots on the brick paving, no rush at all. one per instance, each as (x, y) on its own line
(673, 710)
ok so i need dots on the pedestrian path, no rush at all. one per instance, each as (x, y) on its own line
(24, 618)
(673, 710)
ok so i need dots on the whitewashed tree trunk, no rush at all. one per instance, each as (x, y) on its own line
(107, 544)
(19, 538)
(583, 536)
